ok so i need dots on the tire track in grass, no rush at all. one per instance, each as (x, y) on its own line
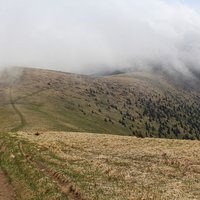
(18, 112)
(63, 182)
(32, 94)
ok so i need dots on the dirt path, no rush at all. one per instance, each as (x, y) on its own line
(18, 112)
(6, 191)
(22, 119)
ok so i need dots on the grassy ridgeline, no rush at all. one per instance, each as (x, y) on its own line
(140, 104)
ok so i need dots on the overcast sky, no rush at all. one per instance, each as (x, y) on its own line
(90, 35)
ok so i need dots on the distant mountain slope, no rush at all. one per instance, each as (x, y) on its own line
(140, 103)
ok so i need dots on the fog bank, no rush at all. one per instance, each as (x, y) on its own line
(90, 36)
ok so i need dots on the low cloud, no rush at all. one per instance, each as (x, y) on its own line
(89, 36)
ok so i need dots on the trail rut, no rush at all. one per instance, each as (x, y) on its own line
(18, 112)
(6, 190)
(63, 182)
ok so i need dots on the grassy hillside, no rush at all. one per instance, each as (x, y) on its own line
(140, 104)
(47, 153)
(78, 166)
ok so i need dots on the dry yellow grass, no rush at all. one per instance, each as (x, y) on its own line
(122, 167)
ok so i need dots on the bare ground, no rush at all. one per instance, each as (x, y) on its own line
(6, 191)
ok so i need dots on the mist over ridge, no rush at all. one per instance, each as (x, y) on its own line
(88, 37)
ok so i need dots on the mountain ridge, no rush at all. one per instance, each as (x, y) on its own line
(141, 104)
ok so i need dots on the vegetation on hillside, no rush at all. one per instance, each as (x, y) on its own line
(139, 104)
